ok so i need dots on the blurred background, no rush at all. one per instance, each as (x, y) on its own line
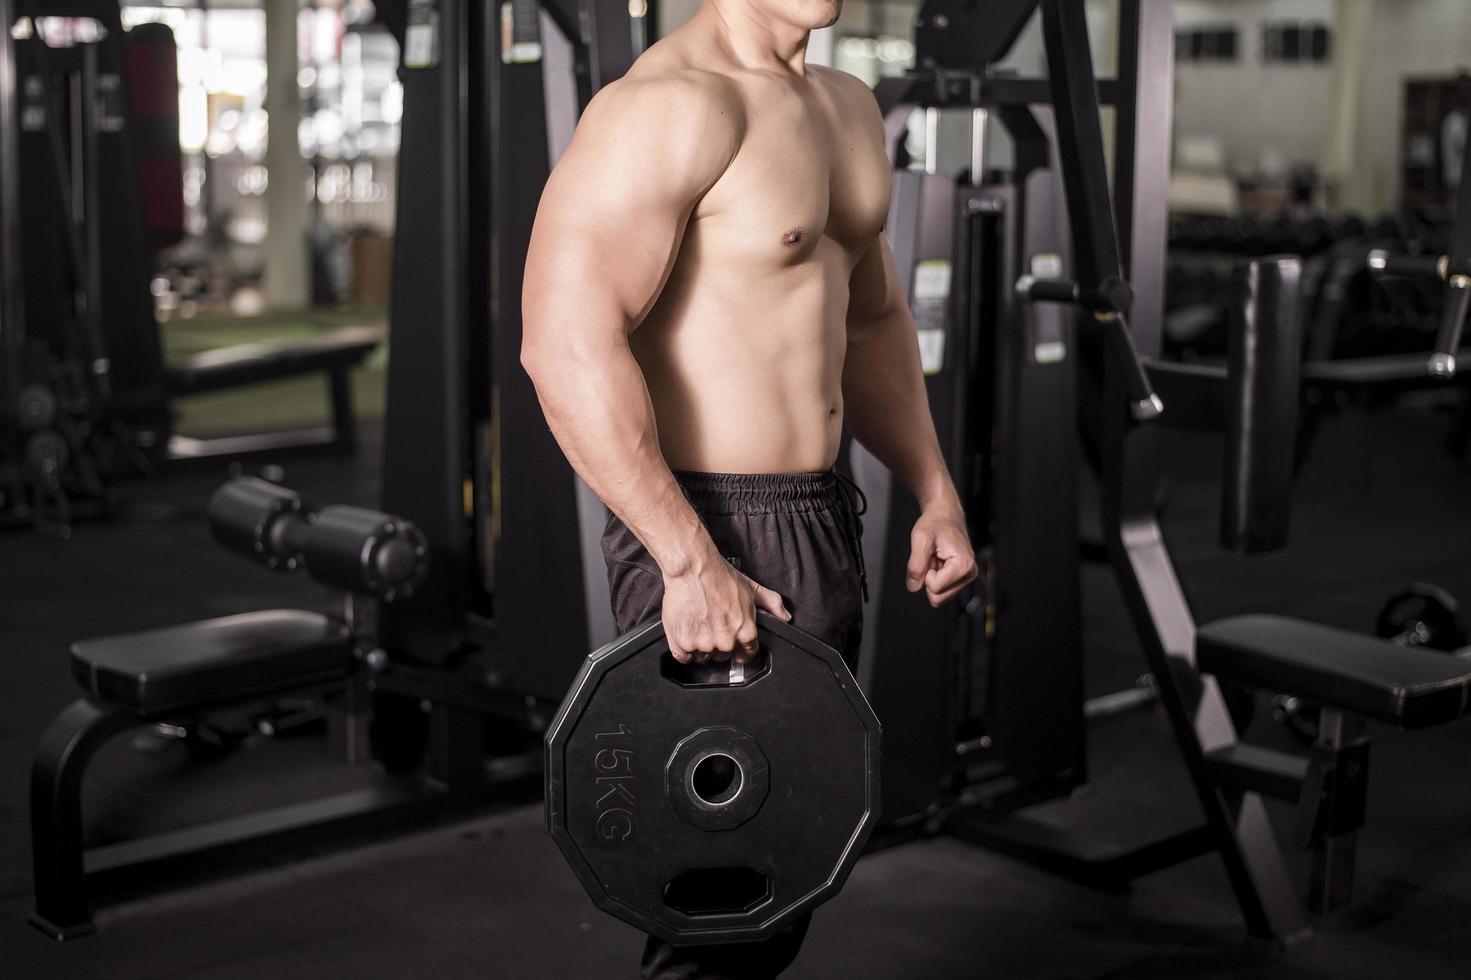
(1298, 124)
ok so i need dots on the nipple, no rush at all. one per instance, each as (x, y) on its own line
(793, 237)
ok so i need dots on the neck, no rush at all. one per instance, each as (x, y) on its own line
(757, 40)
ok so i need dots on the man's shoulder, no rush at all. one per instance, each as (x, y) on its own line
(853, 93)
(683, 123)
(662, 85)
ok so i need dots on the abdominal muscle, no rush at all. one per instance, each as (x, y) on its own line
(744, 362)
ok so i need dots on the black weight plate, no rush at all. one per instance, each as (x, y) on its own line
(1423, 615)
(795, 796)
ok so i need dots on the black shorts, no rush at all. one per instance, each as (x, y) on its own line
(800, 536)
(797, 534)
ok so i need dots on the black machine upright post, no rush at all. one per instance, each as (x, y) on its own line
(962, 722)
(12, 302)
(426, 435)
(1458, 282)
(1126, 454)
(475, 156)
(89, 110)
(919, 739)
(534, 490)
(1100, 287)
(1142, 156)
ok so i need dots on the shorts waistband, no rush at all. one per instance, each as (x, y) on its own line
(760, 493)
(782, 493)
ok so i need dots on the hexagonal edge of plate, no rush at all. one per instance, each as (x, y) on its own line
(583, 686)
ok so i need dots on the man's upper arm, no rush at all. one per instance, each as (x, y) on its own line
(613, 211)
(874, 288)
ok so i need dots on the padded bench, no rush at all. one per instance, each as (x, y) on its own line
(133, 679)
(195, 665)
(1359, 674)
(333, 352)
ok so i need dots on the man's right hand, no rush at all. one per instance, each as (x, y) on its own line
(710, 613)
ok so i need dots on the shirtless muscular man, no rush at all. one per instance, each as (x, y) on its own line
(708, 296)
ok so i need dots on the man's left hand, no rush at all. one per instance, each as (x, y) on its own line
(941, 560)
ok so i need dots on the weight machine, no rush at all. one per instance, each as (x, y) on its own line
(95, 113)
(1454, 269)
(992, 268)
(84, 378)
(995, 722)
(472, 459)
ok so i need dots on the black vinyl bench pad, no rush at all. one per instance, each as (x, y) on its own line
(214, 660)
(1360, 674)
(245, 364)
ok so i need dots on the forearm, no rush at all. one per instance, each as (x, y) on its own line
(597, 404)
(888, 410)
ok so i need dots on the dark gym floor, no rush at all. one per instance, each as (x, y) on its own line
(1379, 505)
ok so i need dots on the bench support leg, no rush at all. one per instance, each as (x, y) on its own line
(1237, 821)
(456, 747)
(1331, 809)
(344, 424)
(62, 908)
(349, 722)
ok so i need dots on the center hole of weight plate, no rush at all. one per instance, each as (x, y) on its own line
(716, 779)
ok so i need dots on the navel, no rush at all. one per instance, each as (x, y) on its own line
(793, 237)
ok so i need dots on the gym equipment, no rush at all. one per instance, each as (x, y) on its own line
(1003, 391)
(176, 675)
(1257, 235)
(360, 550)
(1372, 311)
(1423, 615)
(435, 688)
(712, 803)
(101, 167)
(1356, 677)
(1001, 378)
(1420, 615)
(1454, 268)
(973, 740)
(332, 354)
(1355, 285)
(55, 476)
(1360, 380)
(508, 521)
(51, 472)
(87, 261)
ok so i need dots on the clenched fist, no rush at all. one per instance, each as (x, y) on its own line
(941, 560)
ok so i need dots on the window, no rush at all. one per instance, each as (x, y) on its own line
(1206, 44)
(1295, 42)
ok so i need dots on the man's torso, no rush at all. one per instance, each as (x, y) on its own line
(743, 350)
